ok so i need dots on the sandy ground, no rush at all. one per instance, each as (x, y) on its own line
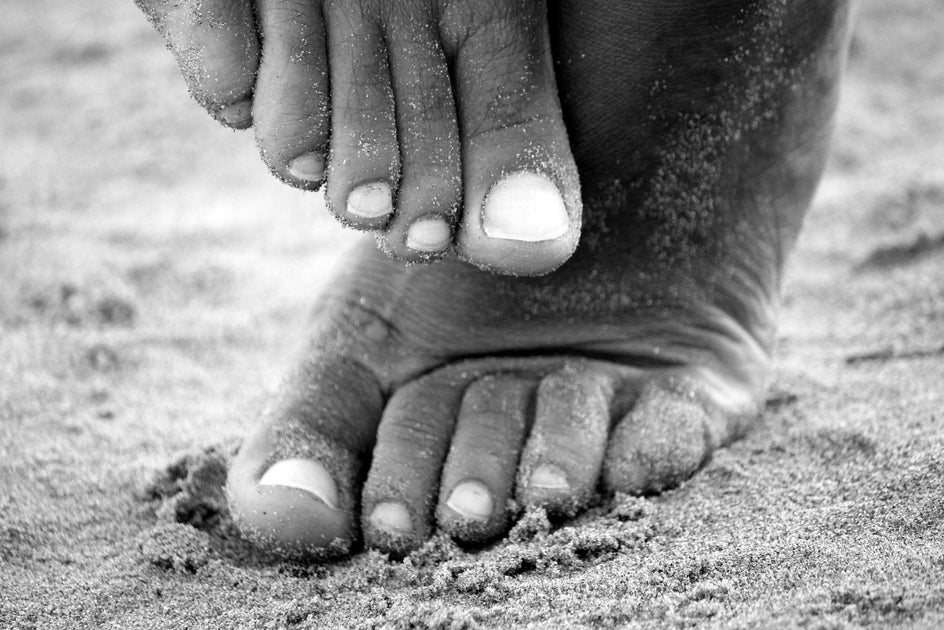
(155, 285)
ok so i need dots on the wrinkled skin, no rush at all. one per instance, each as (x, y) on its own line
(432, 395)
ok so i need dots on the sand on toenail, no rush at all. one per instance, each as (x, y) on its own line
(472, 500)
(237, 115)
(371, 200)
(304, 474)
(392, 517)
(549, 477)
(308, 167)
(525, 206)
(428, 235)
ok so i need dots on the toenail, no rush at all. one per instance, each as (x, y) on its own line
(525, 207)
(428, 235)
(549, 478)
(370, 200)
(392, 517)
(308, 167)
(304, 474)
(238, 115)
(472, 500)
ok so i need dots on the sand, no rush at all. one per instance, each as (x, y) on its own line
(156, 284)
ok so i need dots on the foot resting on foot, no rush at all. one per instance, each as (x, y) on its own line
(444, 396)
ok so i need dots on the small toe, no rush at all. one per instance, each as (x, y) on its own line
(561, 461)
(670, 433)
(479, 474)
(290, 109)
(216, 46)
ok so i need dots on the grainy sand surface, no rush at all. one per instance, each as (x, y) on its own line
(154, 285)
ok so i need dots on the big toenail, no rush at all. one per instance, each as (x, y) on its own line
(549, 477)
(370, 200)
(428, 235)
(525, 207)
(472, 500)
(238, 115)
(392, 517)
(304, 474)
(308, 167)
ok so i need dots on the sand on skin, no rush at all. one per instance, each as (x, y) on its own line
(156, 283)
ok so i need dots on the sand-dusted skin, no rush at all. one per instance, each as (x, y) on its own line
(435, 123)
(434, 395)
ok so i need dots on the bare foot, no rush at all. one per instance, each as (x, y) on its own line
(455, 391)
(443, 117)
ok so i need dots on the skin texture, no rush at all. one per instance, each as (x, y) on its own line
(415, 112)
(622, 370)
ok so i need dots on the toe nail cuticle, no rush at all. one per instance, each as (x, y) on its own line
(237, 115)
(548, 477)
(472, 500)
(392, 517)
(428, 235)
(370, 201)
(303, 474)
(308, 167)
(526, 207)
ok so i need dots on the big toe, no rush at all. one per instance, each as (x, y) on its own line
(216, 46)
(292, 486)
(522, 207)
(293, 508)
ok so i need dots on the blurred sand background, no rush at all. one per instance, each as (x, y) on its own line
(154, 285)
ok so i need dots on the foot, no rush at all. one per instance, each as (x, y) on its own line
(569, 385)
(444, 123)
(446, 396)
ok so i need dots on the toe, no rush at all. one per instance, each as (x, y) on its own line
(522, 210)
(412, 440)
(561, 461)
(364, 165)
(673, 429)
(478, 478)
(217, 49)
(292, 485)
(430, 181)
(290, 109)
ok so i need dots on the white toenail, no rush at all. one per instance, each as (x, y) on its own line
(549, 478)
(370, 200)
(525, 207)
(472, 500)
(303, 474)
(308, 167)
(392, 517)
(238, 114)
(428, 235)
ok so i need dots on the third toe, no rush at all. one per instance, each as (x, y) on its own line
(478, 477)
